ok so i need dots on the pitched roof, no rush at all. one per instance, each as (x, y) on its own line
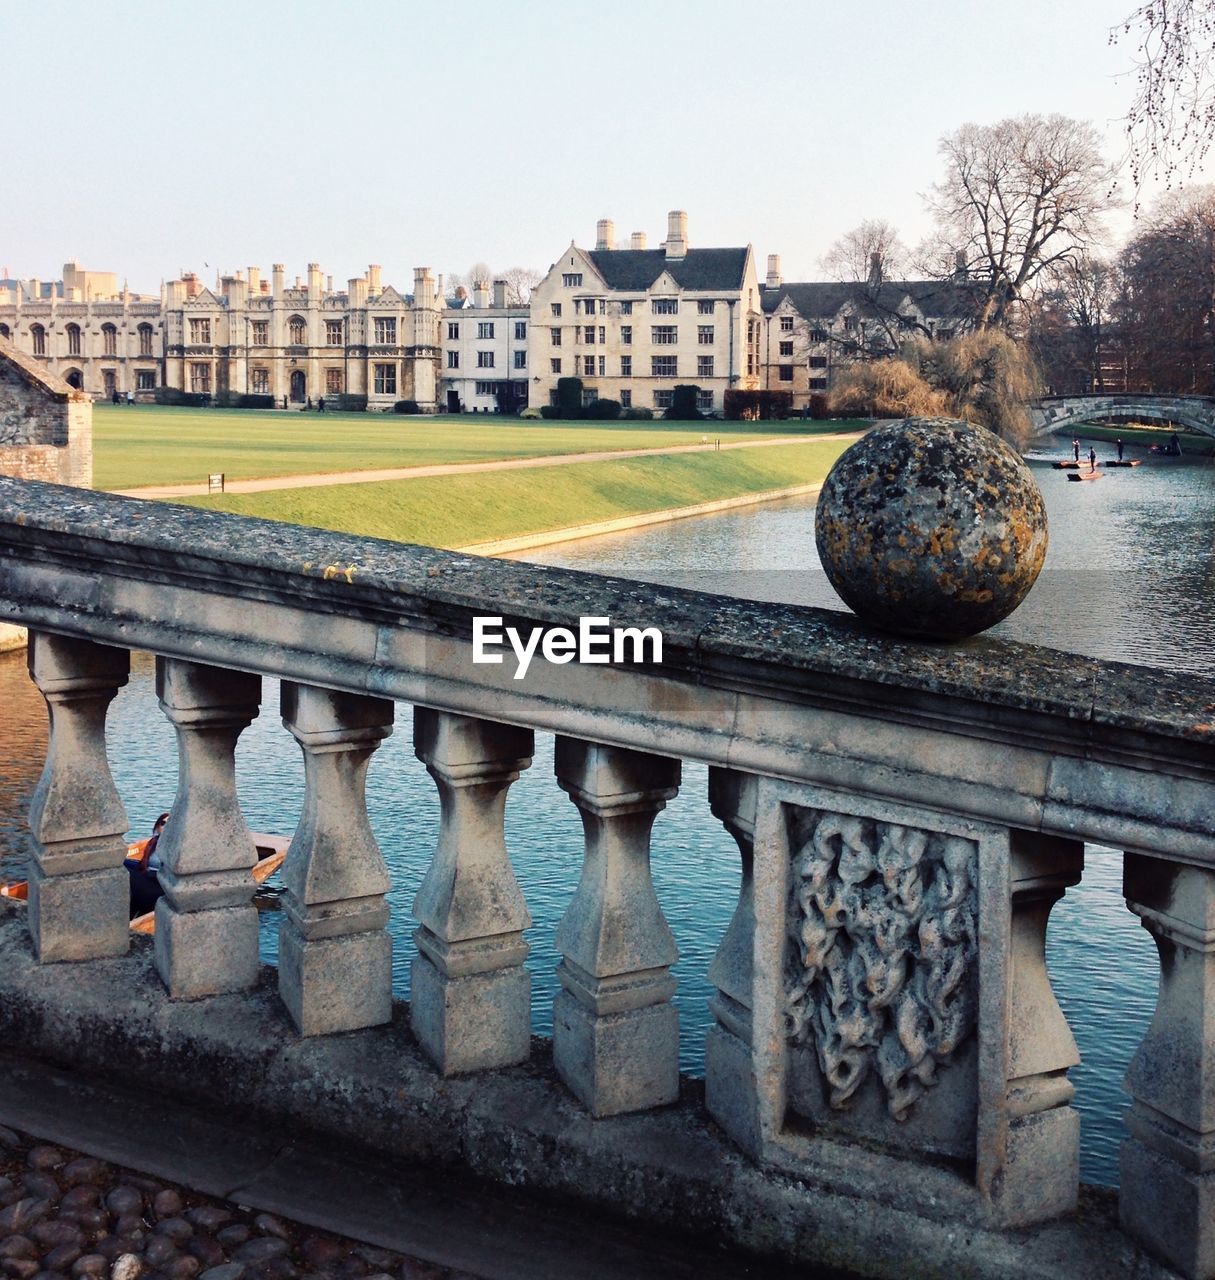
(939, 299)
(34, 373)
(637, 269)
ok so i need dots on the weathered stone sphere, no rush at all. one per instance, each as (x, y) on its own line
(931, 527)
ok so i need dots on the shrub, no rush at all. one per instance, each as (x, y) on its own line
(406, 406)
(819, 406)
(171, 395)
(531, 413)
(550, 411)
(602, 410)
(752, 405)
(683, 404)
(347, 401)
(569, 397)
(638, 414)
(238, 400)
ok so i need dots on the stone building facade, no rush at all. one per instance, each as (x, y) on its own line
(306, 341)
(634, 323)
(485, 352)
(814, 330)
(96, 337)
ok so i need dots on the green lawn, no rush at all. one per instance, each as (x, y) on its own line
(453, 511)
(1193, 443)
(155, 444)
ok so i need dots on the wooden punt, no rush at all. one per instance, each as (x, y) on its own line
(271, 853)
(1084, 475)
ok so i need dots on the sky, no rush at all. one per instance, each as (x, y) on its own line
(147, 138)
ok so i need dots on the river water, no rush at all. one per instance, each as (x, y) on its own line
(1130, 575)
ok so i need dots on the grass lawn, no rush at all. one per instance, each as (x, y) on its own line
(1193, 443)
(454, 511)
(158, 444)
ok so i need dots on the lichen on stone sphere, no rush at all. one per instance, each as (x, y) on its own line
(931, 527)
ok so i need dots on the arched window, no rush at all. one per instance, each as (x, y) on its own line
(109, 339)
(38, 334)
(145, 339)
(299, 331)
(73, 337)
(73, 379)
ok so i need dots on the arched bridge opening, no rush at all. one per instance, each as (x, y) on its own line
(1053, 414)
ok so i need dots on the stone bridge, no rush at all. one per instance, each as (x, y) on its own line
(886, 1080)
(1063, 413)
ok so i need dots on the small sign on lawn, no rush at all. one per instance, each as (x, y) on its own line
(215, 483)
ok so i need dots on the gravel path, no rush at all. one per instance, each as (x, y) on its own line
(66, 1215)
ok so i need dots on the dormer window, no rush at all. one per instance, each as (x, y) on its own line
(572, 279)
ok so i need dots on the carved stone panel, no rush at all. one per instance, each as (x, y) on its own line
(881, 975)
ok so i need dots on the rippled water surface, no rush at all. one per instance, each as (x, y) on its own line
(1130, 576)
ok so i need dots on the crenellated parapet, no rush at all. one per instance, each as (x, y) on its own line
(887, 1070)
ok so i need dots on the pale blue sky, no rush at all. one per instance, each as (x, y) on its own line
(147, 137)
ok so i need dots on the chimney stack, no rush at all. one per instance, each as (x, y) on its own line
(875, 270)
(357, 287)
(499, 294)
(637, 240)
(480, 293)
(314, 280)
(276, 275)
(960, 269)
(605, 234)
(774, 277)
(374, 288)
(255, 280)
(423, 289)
(676, 245)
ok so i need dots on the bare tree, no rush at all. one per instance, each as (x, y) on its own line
(1070, 323)
(850, 258)
(1171, 121)
(520, 281)
(1018, 198)
(1167, 307)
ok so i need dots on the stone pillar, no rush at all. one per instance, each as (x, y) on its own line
(206, 924)
(78, 893)
(471, 996)
(335, 954)
(730, 1093)
(615, 1031)
(1041, 1170)
(1167, 1185)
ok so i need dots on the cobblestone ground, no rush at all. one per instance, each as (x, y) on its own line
(67, 1215)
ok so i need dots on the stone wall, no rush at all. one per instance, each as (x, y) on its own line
(46, 433)
(46, 427)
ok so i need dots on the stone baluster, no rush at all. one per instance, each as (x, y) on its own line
(1167, 1185)
(78, 892)
(615, 1031)
(1040, 1176)
(729, 1070)
(206, 924)
(471, 996)
(335, 954)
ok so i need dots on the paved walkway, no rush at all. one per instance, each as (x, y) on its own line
(264, 1205)
(460, 468)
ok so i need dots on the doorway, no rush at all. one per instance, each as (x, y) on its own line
(299, 386)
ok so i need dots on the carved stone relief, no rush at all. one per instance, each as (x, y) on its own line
(880, 970)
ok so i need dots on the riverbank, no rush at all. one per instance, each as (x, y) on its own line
(493, 507)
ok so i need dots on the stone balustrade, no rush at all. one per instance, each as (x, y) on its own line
(906, 816)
